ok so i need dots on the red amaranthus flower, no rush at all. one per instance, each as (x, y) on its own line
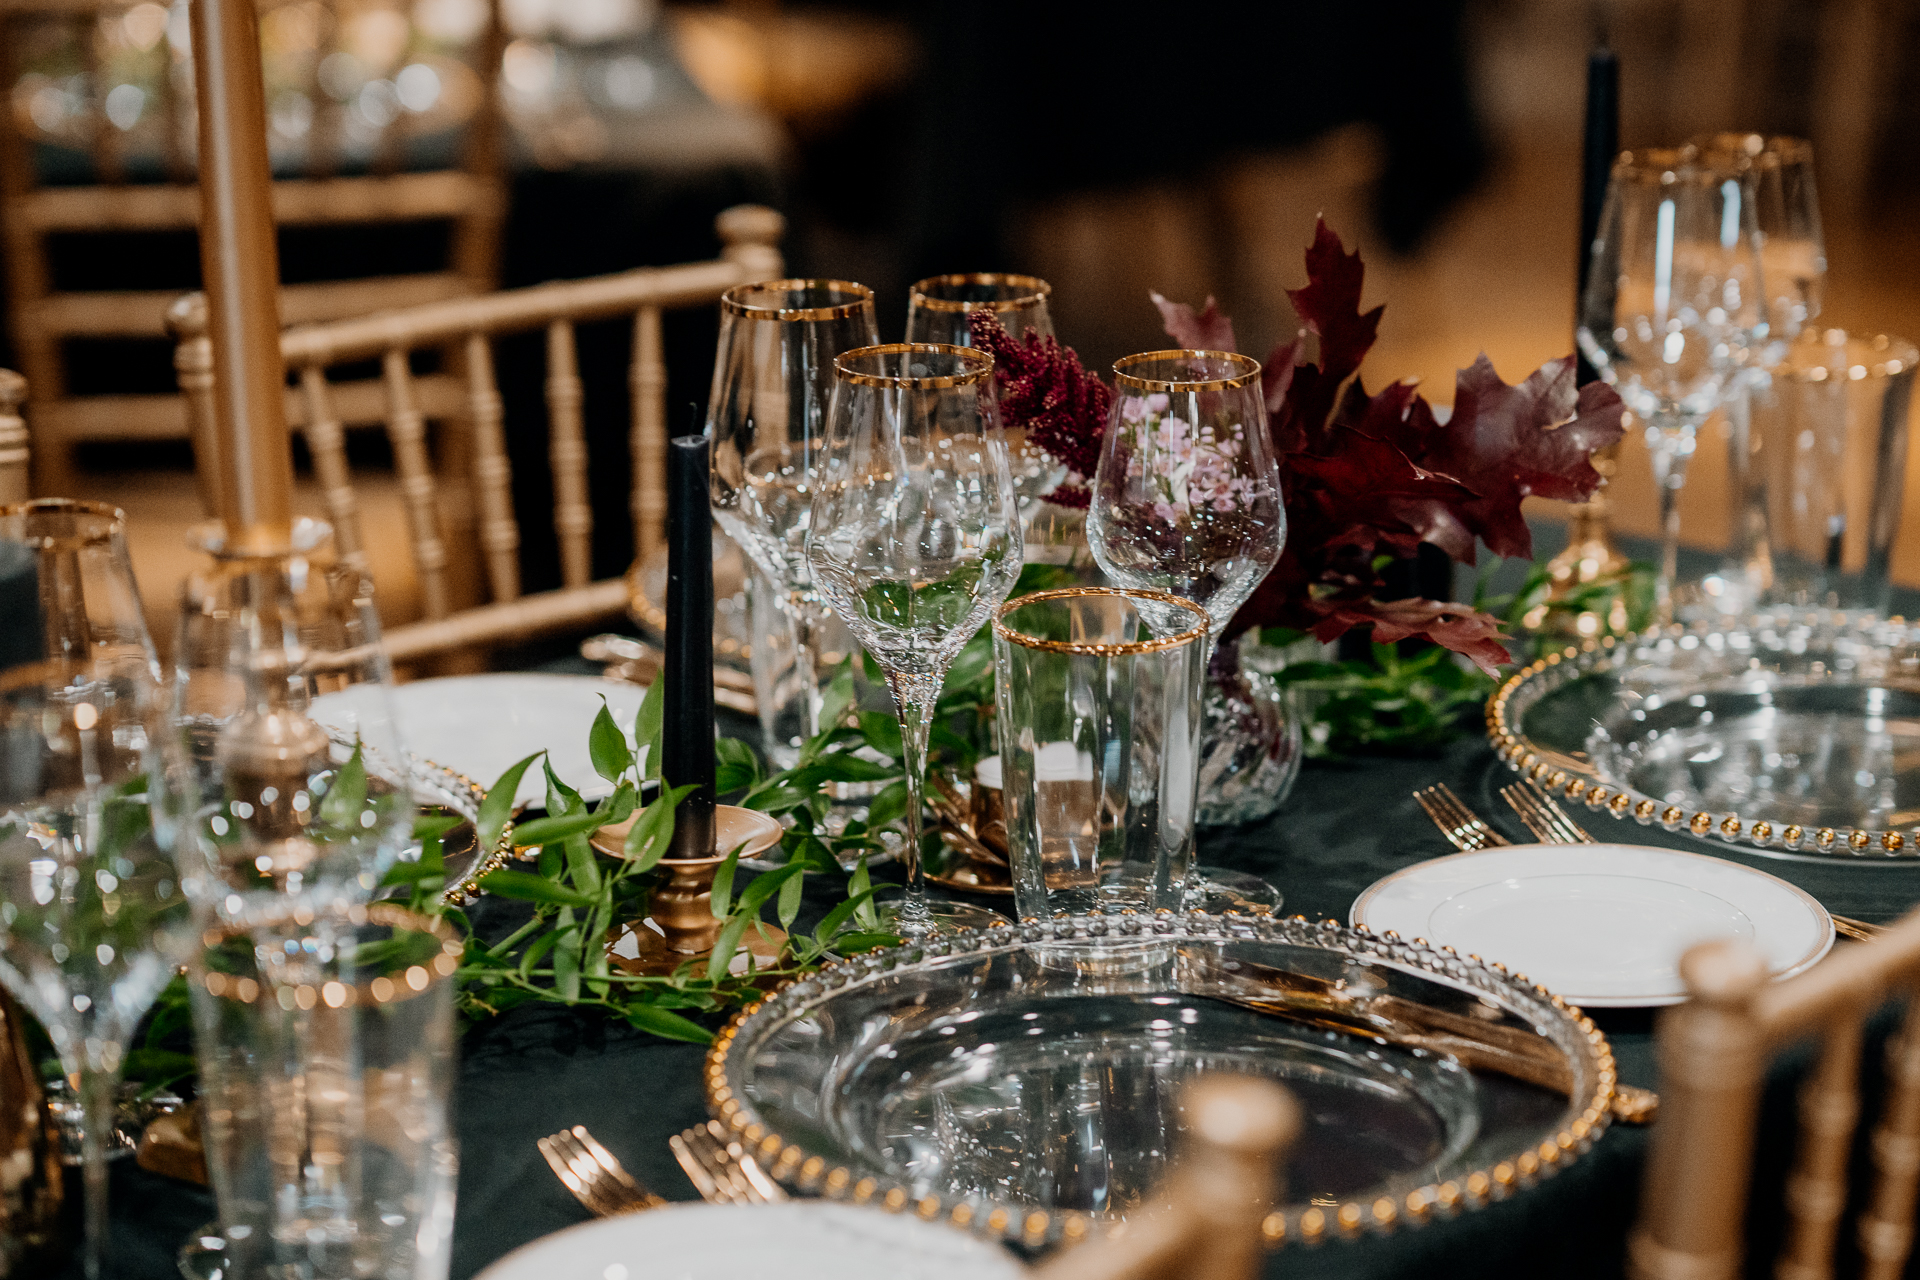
(1045, 390)
(1364, 476)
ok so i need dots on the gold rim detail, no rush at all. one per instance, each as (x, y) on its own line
(806, 1171)
(1248, 375)
(734, 303)
(979, 366)
(1035, 290)
(1081, 648)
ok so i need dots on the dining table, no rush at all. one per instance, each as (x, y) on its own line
(542, 1068)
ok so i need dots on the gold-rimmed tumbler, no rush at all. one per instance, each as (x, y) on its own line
(938, 307)
(767, 416)
(1100, 714)
(326, 1064)
(915, 540)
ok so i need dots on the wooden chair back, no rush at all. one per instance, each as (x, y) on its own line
(98, 120)
(14, 485)
(1212, 1225)
(1714, 1052)
(750, 234)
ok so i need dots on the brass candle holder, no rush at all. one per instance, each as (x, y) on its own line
(681, 925)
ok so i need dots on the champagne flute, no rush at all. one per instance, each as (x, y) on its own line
(914, 540)
(938, 307)
(88, 902)
(772, 378)
(1674, 310)
(1187, 501)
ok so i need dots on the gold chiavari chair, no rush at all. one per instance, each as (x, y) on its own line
(106, 84)
(14, 485)
(750, 234)
(1714, 1052)
(1212, 1224)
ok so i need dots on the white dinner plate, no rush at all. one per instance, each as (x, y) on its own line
(798, 1240)
(481, 725)
(1600, 925)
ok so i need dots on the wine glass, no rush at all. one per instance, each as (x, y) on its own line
(1674, 310)
(1187, 500)
(914, 540)
(772, 378)
(938, 307)
(89, 903)
(287, 788)
(1778, 174)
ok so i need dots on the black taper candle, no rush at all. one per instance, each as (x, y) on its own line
(1601, 144)
(687, 719)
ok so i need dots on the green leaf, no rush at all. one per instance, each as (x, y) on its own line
(531, 957)
(566, 958)
(853, 943)
(561, 798)
(582, 866)
(735, 766)
(608, 746)
(725, 945)
(844, 766)
(837, 697)
(871, 668)
(431, 826)
(652, 833)
(882, 732)
(497, 808)
(525, 887)
(721, 901)
(666, 1025)
(765, 885)
(647, 725)
(860, 893)
(776, 799)
(789, 906)
(619, 806)
(542, 831)
(887, 807)
(346, 794)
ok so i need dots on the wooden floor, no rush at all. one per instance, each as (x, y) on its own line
(1498, 276)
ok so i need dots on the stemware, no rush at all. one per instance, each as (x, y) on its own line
(915, 538)
(88, 901)
(1187, 500)
(1674, 310)
(772, 378)
(938, 307)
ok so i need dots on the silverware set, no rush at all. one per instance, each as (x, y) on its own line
(1466, 831)
(719, 1168)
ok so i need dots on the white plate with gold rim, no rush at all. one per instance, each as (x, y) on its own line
(1600, 925)
(799, 1240)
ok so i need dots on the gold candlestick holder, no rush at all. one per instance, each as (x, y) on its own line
(680, 924)
(1591, 557)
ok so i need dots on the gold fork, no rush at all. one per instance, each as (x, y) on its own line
(1462, 827)
(1549, 823)
(596, 1178)
(720, 1168)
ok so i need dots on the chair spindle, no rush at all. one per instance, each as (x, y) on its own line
(1886, 1227)
(492, 473)
(1817, 1187)
(408, 431)
(567, 451)
(14, 486)
(649, 440)
(327, 441)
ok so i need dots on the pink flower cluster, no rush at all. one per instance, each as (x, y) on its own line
(1188, 470)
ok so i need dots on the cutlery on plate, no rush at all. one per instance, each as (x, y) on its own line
(1462, 827)
(1550, 824)
(720, 1168)
(596, 1178)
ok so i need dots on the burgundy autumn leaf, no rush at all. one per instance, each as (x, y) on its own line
(1459, 627)
(1045, 390)
(1206, 331)
(1509, 443)
(1329, 308)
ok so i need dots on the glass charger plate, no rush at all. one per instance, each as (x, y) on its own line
(436, 787)
(1794, 733)
(1024, 1081)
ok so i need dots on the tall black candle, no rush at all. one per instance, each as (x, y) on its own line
(687, 729)
(1596, 163)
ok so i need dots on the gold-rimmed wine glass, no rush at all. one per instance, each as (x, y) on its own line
(938, 307)
(914, 541)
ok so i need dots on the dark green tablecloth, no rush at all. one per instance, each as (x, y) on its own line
(539, 1070)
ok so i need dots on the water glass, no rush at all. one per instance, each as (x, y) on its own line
(1830, 430)
(326, 1061)
(88, 900)
(938, 307)
(1099, 708)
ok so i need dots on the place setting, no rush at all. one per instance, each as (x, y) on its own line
(966, 810)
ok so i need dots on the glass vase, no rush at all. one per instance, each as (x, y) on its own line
(1251, 743)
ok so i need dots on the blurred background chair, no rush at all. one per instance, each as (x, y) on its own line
(14, 456)
(381, 116)
(462, 600)
(1723, 1199)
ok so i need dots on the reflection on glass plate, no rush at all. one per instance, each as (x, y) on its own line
(1797, 733)
(1038, 1069)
